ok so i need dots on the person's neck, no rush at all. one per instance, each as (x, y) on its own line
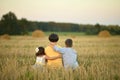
(53, 43)
(68, 46)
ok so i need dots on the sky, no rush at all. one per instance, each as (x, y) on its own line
(106, 12)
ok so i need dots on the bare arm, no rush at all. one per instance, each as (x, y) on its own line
(52, 58)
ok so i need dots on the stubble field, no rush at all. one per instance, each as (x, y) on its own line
(99, 59)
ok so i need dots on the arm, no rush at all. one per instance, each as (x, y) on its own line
(56, 48)
(52, 58)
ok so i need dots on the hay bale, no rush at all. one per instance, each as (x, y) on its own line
(38, 34)
(5, 36)
(104, 33)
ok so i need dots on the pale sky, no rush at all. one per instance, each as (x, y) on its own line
(105, 12)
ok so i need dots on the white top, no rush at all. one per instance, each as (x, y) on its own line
(40, 60)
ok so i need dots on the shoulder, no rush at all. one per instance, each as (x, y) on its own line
(38, 58)
(41, 57)
(44, 56)
(74, 50)
(47, 48)
(59, 46)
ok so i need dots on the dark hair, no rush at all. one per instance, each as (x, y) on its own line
(41, 51)
(53, 37)
(68, 42)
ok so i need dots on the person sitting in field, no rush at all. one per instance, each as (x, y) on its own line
(56, 63)
(41, 57)
(69, 55)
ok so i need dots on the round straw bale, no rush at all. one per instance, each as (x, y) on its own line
(38, 33)
(104, 33)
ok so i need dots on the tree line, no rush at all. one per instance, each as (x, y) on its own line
(9, 24)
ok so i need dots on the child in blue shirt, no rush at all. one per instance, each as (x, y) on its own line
(69, 55)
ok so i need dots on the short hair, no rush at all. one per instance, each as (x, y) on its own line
(41, 51)
(69, 42)
(53, 37)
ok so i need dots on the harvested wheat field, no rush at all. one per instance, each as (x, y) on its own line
(99, 59)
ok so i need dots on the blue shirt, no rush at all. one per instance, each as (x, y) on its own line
(69, 56)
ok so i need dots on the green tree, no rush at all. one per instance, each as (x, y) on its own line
(9, 24)
(97, 28)
(24, 24)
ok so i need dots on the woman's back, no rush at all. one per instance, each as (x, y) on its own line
(53, 63)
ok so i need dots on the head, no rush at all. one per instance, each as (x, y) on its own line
(41, 51)
(53, 37)
(68, 42)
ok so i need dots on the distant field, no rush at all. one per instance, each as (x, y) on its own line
(67, 33)
(99, 58)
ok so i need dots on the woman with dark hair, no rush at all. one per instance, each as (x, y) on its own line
(53, 38)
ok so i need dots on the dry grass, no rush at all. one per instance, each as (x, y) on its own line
(38, 34)
(5, 36)
(104, 33)
(99, 59)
